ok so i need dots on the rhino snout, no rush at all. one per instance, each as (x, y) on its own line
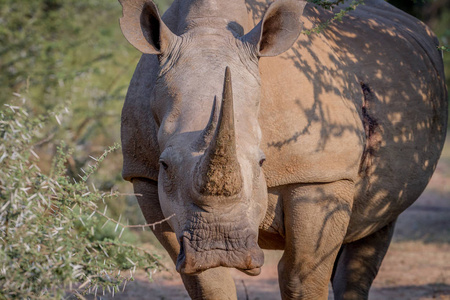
(216, 247)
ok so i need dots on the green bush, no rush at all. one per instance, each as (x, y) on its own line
(58, 51)
(54, 239)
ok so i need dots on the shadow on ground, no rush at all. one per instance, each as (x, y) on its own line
(414, 292)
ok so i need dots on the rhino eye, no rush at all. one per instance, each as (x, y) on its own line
(163, 164)
(261, 161)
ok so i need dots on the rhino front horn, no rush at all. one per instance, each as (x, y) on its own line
(219, 172)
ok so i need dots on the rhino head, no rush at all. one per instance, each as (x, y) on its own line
(205, 101)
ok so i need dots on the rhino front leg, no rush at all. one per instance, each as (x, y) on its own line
(316, 217)
(212, 284)
(358, 264)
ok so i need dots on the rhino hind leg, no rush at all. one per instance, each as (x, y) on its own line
(358, 264)
(316, 217)
(212, 284)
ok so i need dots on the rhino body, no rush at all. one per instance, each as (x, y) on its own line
(311, 144)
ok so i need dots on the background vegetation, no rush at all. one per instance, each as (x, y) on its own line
(70, 60)
(54, 237)
(71, 54)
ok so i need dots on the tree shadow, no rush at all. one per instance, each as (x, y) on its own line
(415, 292)
(424, 223)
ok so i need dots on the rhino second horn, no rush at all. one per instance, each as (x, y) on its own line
(219, 172)
(207, 134)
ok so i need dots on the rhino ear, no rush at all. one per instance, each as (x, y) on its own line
(278, 29)
(142, 26)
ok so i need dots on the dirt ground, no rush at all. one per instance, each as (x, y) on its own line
(417, 265)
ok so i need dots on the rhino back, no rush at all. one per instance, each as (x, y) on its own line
(312, 129)
(365, 100)
(401, 74)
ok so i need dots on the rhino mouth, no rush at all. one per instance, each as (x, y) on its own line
(219, 247)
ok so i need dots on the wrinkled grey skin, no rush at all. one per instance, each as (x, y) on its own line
(251, 135)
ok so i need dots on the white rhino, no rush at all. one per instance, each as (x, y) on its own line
(349, 124)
